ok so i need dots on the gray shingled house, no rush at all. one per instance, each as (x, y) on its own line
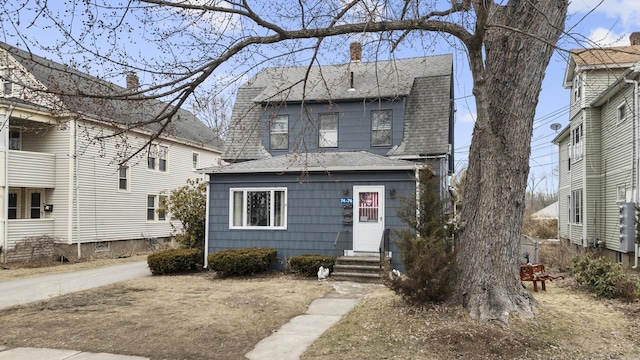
(318, 167)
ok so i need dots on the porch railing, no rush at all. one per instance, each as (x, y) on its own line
(384, 247)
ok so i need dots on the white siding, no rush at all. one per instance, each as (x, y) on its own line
(107, 213)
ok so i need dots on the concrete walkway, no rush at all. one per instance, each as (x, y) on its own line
(294, 337)
(287, 343)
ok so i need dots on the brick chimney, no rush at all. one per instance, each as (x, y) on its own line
(133, 83)
(356, 51)
(634, 38)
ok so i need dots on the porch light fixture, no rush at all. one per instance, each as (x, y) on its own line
(345, 192)
(392, 192)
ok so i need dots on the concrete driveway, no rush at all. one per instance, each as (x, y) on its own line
(23, 291)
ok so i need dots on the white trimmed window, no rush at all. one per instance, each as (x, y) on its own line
(7, 84)
(163, 154)
(576, 207)
(157, 158)
(577, 87)
(15, 142)
(151, 157)
(14, 205)
(162, 201)
(279, 132)
(258, 208)
(123, 178)
(195, 161)
(577, 143)
(621, 193)
(153, 208)
(381, 127)
(621, 113)
(328, 130)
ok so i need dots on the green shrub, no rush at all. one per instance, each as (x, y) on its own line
(308, 265)
(428, 259)
(604, 278)
(242, 261)
(430, 271)
(172, 261)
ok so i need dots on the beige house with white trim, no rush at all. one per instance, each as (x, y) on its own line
(60, 154)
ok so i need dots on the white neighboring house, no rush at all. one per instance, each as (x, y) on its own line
(59, 172)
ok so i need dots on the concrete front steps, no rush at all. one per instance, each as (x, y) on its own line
(364, 269)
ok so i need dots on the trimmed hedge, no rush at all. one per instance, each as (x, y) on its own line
(242, 261)
(308, 265)
(172, 261)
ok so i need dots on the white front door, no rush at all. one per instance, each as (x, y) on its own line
(368, 218)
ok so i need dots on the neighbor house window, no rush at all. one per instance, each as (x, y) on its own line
(162, 202)
(328, 130)
(163, 153)
(569, 209)
(621, 193)
(151, 207)
(151, 157)
(258, 208)
(13, 205)
(123, 178)
(577, 143)
(576, 206)
(195, 161)
(7, 85)
(279, 135)
(577, 87)
(621, 112)
(381, 127)
(35, 204)
(14, 139)
(157, 157)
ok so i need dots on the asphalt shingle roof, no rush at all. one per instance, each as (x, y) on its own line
(88, 95)
(425, 81)
(310, 162)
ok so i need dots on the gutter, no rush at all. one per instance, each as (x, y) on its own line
(206, 223)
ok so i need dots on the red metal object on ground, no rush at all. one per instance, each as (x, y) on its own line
(535, 273)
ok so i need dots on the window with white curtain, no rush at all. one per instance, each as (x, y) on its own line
(258, 208)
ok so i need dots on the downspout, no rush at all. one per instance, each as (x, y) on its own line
(417, 176)
(206, 224)
(77, 185)
(636, 195)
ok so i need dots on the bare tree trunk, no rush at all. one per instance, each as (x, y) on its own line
(518, 41)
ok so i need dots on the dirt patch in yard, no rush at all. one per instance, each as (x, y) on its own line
(174, 317)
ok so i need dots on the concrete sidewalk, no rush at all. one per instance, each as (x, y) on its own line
(53, 354)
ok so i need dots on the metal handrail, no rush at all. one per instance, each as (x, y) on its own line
(339, 242)
(384, 247)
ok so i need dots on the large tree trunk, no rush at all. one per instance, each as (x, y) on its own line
(506, 85)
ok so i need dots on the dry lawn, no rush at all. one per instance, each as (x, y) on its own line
(569, 324)
(204, 317)
(171, 317)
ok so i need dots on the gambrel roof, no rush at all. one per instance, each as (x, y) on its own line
(97, 99)
(425, 83)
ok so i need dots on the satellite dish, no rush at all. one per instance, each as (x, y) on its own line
(555, 126)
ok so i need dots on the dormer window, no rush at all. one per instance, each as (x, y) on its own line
(381, 127)
(279, 139)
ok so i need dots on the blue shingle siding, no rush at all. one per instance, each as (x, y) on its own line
(314, 212)
(354, 126)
